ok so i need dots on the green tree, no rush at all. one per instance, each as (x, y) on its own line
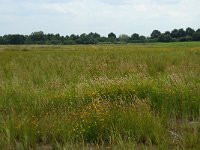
(93, 38)
(135, 37)
(175, 33)
(68, 41)
(83, 39)
(97, 36)
(165, 38)
(142, 39)
(14, 39)
(112, 37)
(38, 37)
(103, 39)
(123, 38)
(181, 33)
(74, 37)
(155, 34)
(2, 40)
(189, 31)
(196, 35)
(167, 33)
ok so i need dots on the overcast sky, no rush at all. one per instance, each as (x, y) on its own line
(102, 16)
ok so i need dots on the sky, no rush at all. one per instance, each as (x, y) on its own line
(102, 16)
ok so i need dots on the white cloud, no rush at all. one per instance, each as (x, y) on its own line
(103, 16)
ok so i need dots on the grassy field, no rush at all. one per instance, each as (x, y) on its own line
(100, 96)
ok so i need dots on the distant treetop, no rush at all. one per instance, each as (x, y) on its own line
(94, 38)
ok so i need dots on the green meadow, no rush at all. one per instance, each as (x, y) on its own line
(137, 96)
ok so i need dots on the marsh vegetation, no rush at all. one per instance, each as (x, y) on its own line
(100, 96)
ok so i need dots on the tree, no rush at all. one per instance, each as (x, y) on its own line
(49, 37)
(68, 41)
(196, 35)
(97, 36)
(178, 33)
(93, 38)
(155, 34)
(175, 33)
(14, 39)
(74, 37)
(135, 37)
(189, 31)
(165, 38)
(54, 39)
(185, 38)
(123, 38)
(103, 39)
(112, 37)
(167, 33)
(2, 40)
(198, 30)
(181, 33)
(38, 37)
(83, 39)
(142, 39)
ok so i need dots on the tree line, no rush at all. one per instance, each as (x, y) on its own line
(176, 35)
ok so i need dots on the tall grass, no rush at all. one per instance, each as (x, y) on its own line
(107, 96)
